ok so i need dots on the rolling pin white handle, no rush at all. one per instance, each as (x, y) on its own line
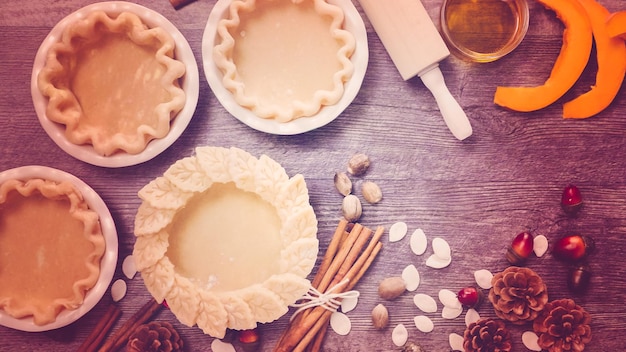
(453, 114)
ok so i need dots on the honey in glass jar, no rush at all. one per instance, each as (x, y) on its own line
(483, 30)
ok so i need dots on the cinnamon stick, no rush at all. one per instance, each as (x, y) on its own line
(366, 265)
(312, 333)
(319, 339)
(329, 256)
(357, 271)
(348, 265)
(121, 336)
(351, 258)
(340, 258)
(366, 258)
(354, 274)
(102, 328)
(333, 246)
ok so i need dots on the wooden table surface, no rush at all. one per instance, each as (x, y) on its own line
(477, 194)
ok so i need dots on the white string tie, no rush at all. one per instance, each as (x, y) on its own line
(329, 300)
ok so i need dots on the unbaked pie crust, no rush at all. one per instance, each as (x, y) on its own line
(226, 238)
(284, 59)
(113, 82)
(51, 244)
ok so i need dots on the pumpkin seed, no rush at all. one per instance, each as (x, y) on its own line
(340, 323)
(418, 242)
(483, 278)
(411, 277)
(531, 341)
(118, 290)
(471, 316)
(425, 303)
(423, 323)
(540, 245)
(456, 342)
(399, 335)
(397, 231)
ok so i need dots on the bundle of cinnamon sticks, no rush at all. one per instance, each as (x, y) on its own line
(349, 255)
(107, 321)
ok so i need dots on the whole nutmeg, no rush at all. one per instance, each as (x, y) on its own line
(351, 208)
(371, 192)
(343, 184)
(380, 317)
(391, 288)
(358, 164)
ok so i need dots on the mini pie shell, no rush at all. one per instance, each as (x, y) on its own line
(243, 308)
(63, 106)
(46, 312)
(222, 55)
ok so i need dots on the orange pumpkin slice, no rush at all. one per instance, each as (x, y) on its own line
(572, 59)
(616, 25)
(611, 54)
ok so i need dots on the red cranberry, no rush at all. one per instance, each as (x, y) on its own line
(469, 296)
(573, 247)
(571, 200)
(578, 278)
(520, 249)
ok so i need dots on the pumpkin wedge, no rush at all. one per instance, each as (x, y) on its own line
(611, 56)
(616, 25)
(572, 59)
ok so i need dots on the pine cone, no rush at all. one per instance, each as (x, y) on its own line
(518, 294)
(155, 337)
(487, 335)
(563, 326)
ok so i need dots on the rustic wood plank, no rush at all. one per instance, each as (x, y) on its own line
(476, 194)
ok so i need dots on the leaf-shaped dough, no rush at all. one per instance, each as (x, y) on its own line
(151, 220)
(187, 175)
(288, 287)
(240, 315)
(269, 178)
(184, 300)
(294, 193)
(241, 167)
(266, 305)
(299, 257)
(159, 279)
(300, 224)
(212, 317)
(163, 194)
(213, 161)
(149, 249)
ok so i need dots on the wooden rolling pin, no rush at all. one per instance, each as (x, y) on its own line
(416, 48)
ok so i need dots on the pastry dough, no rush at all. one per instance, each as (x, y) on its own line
(227, 236)
(284, 59)
(113, 82)
(51, 244)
